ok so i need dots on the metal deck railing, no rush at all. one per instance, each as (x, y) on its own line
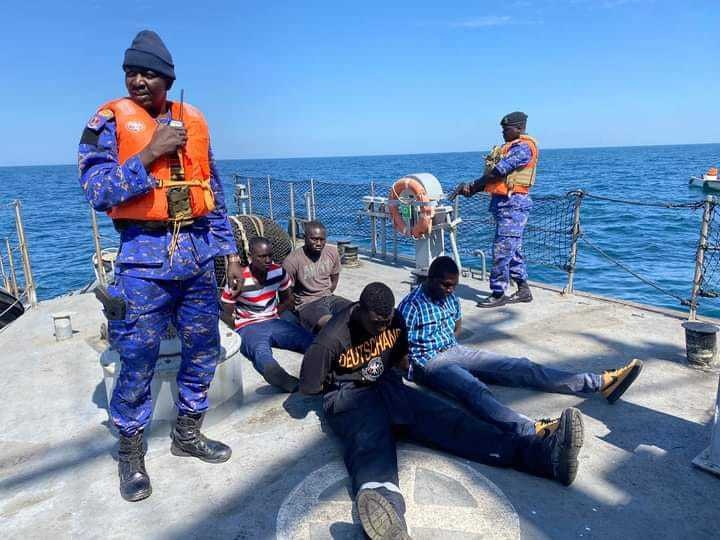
(552, 236)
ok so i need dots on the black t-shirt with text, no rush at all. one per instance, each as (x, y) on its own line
(344, 351)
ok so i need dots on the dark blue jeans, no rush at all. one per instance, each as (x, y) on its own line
(464, 373)
(365, 421)
(258, 339)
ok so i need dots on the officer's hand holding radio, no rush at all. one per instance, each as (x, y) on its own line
(165, 140)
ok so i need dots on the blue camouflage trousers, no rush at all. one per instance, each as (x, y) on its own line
(151, 304)
(511, 215)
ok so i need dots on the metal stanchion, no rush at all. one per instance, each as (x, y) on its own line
(270, 208)
(313, 208)
(383, 236)
(5, 279)
(249, 187)
(708, 209)
(98, 248)
(27, 270)
(13, 275)
(293, 225)
(395, 245)
(373, 222)
(570, 287)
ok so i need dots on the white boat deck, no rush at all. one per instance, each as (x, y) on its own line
(286, 479)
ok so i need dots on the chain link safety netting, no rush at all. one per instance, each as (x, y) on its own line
(710, 283)
(547, 239)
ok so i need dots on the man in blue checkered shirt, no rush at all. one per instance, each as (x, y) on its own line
(433, 319)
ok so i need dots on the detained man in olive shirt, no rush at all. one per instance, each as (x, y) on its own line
(315, 271)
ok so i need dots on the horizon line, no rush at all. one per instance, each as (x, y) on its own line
(338, 156)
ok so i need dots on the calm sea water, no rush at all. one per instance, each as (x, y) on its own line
(657, 243)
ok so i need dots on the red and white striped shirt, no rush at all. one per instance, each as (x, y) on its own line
(258, 301)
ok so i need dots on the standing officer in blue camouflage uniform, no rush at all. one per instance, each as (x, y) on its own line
(128, 151)
(509, 175)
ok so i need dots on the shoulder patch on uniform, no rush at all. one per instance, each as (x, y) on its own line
(106, 113)
(90, 136)
(97, 121)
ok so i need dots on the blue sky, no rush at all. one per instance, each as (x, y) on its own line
(287, 79)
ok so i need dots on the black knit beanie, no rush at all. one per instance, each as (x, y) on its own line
(149, 52)
(515, 119)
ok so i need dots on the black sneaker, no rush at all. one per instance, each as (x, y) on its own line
(493, 301)
(379, 517)
(566, 442)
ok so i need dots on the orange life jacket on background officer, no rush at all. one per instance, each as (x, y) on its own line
(510, 172)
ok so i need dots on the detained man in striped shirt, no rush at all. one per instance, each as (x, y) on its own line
(433, 319)
(266, 291)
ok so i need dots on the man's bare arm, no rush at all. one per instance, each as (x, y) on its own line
(285, 300)
(227, 314)
(458, 327)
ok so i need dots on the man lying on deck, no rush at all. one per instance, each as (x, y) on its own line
(367, 405)
(433, 319)
(254, 315)
(315, 271)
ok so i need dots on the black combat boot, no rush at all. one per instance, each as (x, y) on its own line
(134, 480)
(523, 293)
(494, 300)
(187, 441)
(382, 513)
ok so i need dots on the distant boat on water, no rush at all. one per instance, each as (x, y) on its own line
(10, 308)
(709, 180)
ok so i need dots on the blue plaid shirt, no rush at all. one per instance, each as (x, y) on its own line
(430, 324)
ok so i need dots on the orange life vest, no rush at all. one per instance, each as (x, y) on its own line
(135, 128)
(520, 180)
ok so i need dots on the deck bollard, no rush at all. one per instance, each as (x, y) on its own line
(62, 325)
(701, 344)
(350, 256)
(341, 245)
(709, 459)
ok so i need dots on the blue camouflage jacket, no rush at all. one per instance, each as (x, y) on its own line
(518, 156)
(144, 253)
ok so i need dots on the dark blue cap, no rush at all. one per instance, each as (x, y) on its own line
(148, 51)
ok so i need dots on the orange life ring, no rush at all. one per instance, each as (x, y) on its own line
(425, 211)
(712, 171)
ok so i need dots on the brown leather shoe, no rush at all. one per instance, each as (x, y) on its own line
(616, 381)
(546, 426)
